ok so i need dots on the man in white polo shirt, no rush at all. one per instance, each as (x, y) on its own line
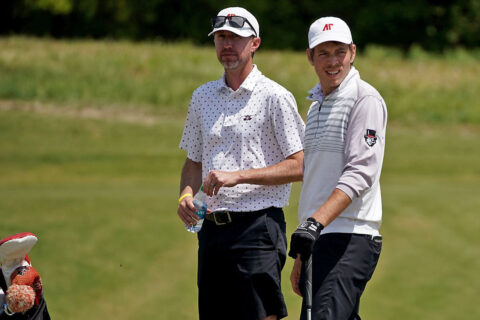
(340, 206)
(243, 135)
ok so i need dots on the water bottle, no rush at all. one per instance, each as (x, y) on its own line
(200, 203)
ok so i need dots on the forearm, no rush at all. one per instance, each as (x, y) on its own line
(289, 170)
(191, 178)
(333, 207)
(190, 182)
(308, 232)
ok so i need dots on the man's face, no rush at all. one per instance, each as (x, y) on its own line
(332, 61)
(234, 51)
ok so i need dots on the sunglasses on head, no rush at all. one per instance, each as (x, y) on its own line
(234, 21)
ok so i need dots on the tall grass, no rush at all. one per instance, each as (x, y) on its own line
(89, 162)
(161, 77)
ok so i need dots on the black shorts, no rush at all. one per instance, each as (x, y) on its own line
(239, 267)
(342, 265)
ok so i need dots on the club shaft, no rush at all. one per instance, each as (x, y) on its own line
(307, 268)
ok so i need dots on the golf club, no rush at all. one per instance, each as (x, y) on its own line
(307, 269)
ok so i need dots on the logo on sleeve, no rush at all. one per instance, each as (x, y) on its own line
(370, 137)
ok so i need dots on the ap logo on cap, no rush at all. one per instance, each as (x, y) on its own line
(328, 29)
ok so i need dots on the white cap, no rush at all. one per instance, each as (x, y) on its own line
(328, 29)
(246, 30)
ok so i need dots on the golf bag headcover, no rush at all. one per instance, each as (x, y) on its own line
(24, 286)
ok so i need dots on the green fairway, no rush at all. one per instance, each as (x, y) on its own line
(89, 162)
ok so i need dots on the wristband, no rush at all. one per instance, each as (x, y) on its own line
(185, 195)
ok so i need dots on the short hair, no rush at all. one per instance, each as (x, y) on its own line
(350, 47)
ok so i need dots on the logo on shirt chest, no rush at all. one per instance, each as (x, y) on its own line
(247, 117)
(370, 137)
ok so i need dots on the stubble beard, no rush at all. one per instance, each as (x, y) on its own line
(230, 64)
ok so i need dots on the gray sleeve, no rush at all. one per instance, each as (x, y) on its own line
(365, 145)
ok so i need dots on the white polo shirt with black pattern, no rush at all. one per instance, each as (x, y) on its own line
(256, 126)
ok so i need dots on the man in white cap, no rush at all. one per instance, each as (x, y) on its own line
(340, 207)
(244, 139)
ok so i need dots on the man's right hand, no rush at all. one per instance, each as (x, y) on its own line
(304, 238)
(186, 210)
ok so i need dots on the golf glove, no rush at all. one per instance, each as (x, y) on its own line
(304, 238)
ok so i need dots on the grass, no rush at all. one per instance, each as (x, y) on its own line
(430, 204)
(160, 77)
(89, 161)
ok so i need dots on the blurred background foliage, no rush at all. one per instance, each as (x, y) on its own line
(435, 25)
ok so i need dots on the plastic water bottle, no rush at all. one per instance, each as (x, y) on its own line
(200, 203)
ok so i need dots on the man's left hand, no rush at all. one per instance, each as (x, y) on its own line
(218, 179)
(304, 238)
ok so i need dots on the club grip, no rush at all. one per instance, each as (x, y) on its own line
(307, 269)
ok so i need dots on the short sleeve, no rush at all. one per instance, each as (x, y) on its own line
(288, 124)
(192, 132)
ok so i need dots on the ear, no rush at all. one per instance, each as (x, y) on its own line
(256, 44)
(309, 53)
(354, 52)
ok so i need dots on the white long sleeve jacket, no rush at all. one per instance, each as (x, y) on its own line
(344, 147)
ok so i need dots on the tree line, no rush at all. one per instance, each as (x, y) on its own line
(435, 25)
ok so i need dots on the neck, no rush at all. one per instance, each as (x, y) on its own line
(327, 92)
(235, 77)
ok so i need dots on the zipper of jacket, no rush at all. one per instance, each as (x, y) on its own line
(318, 119)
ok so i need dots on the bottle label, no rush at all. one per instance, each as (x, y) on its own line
(201, 208)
